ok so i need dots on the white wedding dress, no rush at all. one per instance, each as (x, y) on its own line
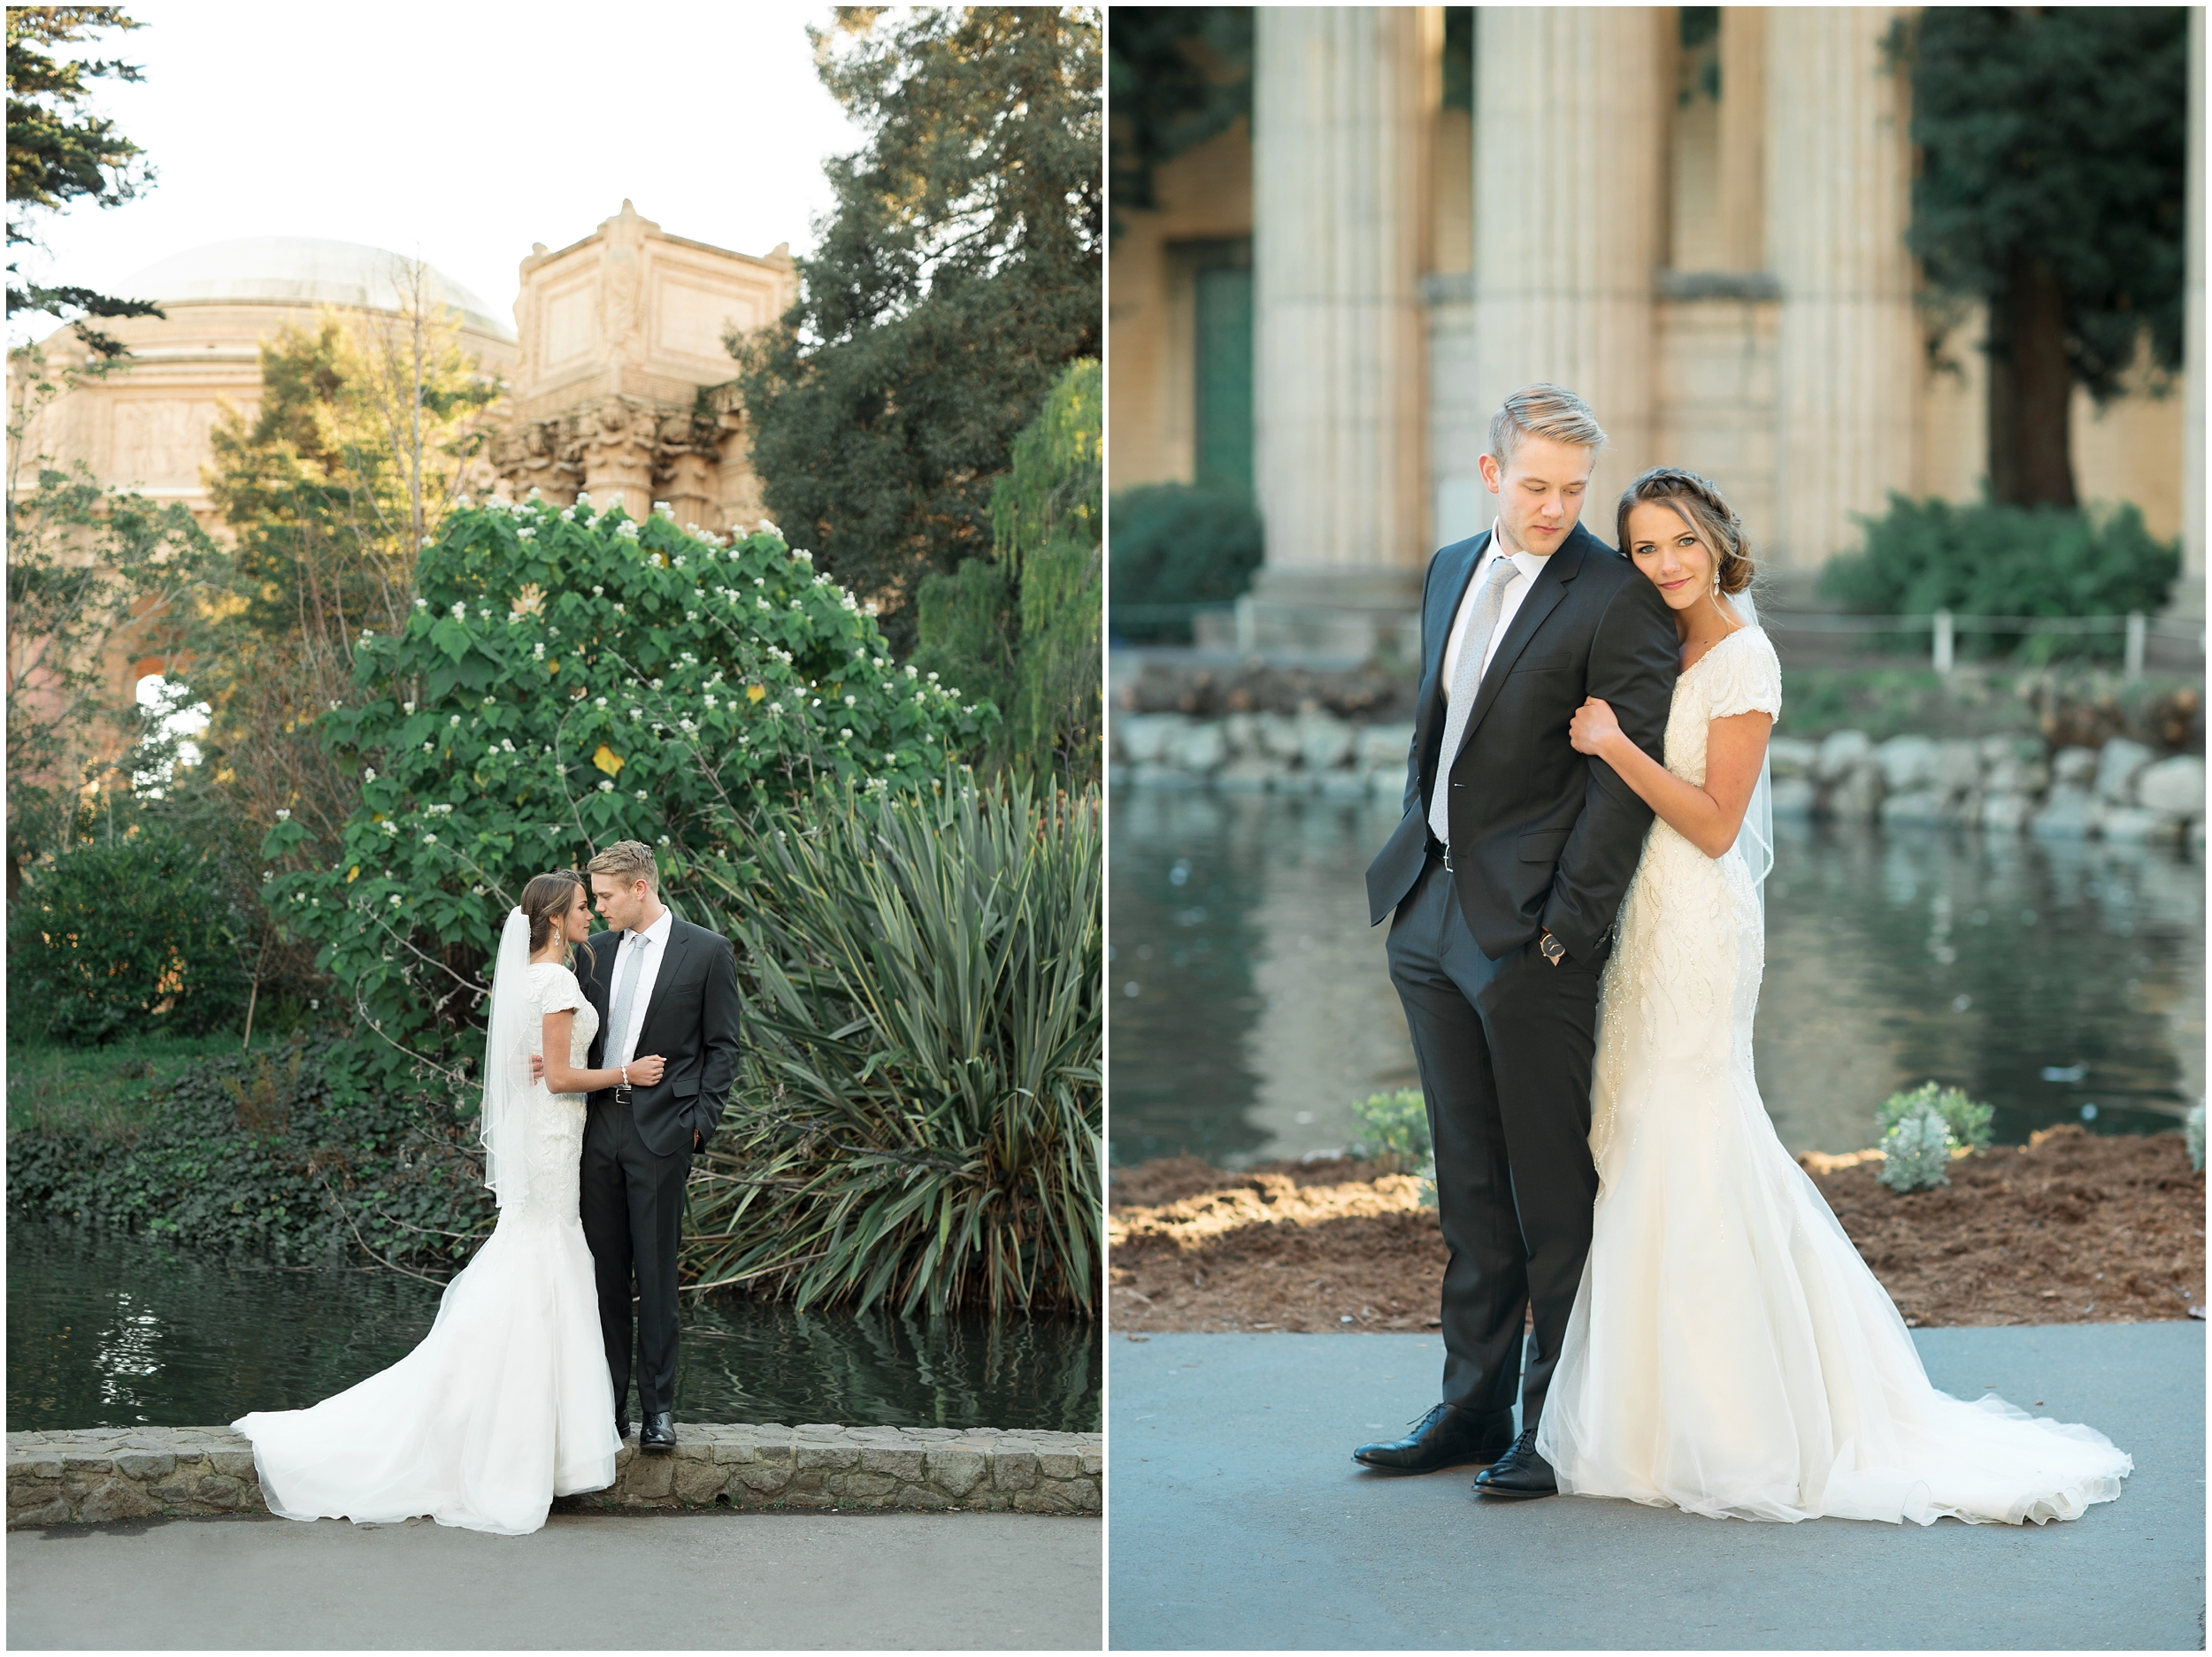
(507, 1403)
(1729, 1352)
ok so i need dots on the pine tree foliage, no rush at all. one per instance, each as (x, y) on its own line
(60, 153)
(2053, 167)
(957, 276)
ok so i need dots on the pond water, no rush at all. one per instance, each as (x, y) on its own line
(2059, 982)
(108, 1330)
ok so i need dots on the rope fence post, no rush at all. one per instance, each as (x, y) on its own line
(1943, 650)
(2137, 632)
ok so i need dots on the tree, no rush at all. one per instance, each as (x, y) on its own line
(958, 274)
(57, 154)
(1022, 626)
(1178, 75)
(2052, 169)
(93, 576)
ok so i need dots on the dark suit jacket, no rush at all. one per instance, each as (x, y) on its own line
(692, 1022)
(1543, 838)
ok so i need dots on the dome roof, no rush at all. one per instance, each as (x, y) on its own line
(301, 271)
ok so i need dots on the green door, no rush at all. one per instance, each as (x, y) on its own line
(1225, 377)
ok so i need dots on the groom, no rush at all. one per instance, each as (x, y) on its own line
(1506, 872)
(661, 986)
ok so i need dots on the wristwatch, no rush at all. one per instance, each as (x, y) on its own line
(1551, 950)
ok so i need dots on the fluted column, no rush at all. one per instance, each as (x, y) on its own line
(1570, 143)
(1837, 203)
(1341, 105)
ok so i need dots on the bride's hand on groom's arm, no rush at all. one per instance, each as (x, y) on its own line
(1594, 726)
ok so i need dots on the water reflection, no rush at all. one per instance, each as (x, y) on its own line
(1252, 1003)
(109, 1331)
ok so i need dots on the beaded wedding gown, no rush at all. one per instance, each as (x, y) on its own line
(507, 1403)
(1729, 1352)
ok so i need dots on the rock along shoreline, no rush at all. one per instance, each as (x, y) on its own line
(97, 1475)
(2123, 791)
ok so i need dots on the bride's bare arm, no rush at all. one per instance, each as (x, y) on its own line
(561, 1077)
(1708, 817)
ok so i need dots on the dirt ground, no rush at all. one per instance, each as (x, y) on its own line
(2068, 1229)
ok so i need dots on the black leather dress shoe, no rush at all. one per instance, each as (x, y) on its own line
(621, 1430)
(658, 1436)
(1447, 1436)
(1519, 1473)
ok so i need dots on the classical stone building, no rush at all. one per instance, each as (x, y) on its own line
(1701, 230)
(623, 385)
(619, 380)
(145, 427)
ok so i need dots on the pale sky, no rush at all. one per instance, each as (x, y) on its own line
(458, 133)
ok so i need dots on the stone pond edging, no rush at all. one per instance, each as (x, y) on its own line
(2123, 791)
(98, 1474)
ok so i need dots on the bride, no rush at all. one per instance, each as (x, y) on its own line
(507, 1403)
(1729, 1352)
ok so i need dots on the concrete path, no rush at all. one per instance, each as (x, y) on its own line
(1239, 1520)
(652, 1581)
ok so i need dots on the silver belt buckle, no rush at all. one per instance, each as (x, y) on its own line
(1448, 860)
(622, 1093)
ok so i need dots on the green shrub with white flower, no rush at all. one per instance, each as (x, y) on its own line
(571, 677)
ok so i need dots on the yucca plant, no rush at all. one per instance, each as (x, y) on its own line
(919, 1119)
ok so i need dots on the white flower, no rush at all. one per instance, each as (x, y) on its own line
(796, 605)
(758, 580)
(407, 707)
(568, 514)
(388, 826)
(597, 591)
(422, 604)
(712, 703)
(606, 787)
(478, 890)
(803, 555)
(456, 719)
(678, 561)
(767, 528)
(815, 702)
(268, 874)
(664, 509)
(656, 684)
(430, 840)
(775, 707)
(483, 614)
(598, 702)
(760, 603)
(369, 775)
(619, 610)
(460, 610)
(688, 660)
(910, 669)
(537, 652)
(627, 530)
(637, 713)
(845, 731)
(284, 814)
(933, 677)
(430, 747)
(691, 614)
(663, 839)
(490, 701)
(854, 702)
(641, 793)
(394, 905)
(506, 745)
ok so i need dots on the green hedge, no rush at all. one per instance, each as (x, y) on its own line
(1178, 543)
(124, 938)
(1989, 559)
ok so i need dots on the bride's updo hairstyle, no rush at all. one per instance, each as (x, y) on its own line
(1702, 507)
(546, 899)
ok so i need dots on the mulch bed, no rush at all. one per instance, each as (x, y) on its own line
(2068, 1229)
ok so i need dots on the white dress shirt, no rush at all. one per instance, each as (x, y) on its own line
(1531, 565)
(654, 941)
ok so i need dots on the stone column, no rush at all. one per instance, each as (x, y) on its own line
(1743, 119)
(2193, 333)
(1342, 100)
(619, 439)
(1837, 203)
(691, 482)
(1571, 130)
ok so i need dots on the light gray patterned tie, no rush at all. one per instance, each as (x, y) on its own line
(625, 988)
(1465, 677)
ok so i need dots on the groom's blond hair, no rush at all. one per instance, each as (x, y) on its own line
(1543, 409)
(627, 860)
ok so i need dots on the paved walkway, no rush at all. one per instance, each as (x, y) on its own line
(652, 1581)
(1239, 1520)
